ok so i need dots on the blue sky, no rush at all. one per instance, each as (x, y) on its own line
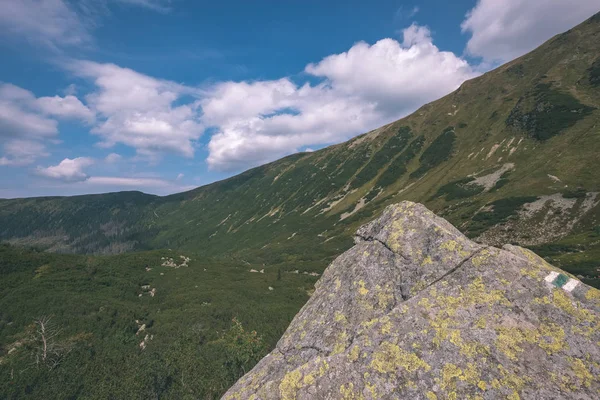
(163, 96)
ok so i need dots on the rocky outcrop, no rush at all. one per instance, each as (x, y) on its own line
(415, 310)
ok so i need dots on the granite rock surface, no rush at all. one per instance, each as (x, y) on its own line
(416, 310)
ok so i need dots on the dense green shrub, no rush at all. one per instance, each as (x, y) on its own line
(578, 193)
(459, 189)
(438, 151)
(546, 111)
(594, 73)
(496, 213)
(398, 166)
(385, 154)
(553, 249)
(501, 182)
(197, 346)
(517, 71)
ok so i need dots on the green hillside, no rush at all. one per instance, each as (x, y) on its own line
(97, 307)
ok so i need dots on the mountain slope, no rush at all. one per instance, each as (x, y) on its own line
(416, 310)
(508, 157)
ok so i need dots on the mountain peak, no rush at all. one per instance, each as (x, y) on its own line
(417, 310)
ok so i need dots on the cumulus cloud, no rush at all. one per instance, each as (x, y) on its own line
(68, 170)
(113, 158)
(140, 111)
(505, 29)
(15, 121)
(27, 121)
(367, 86)
(65, 107)
(22, 113)
(18, 116)
(393, 75)
(71, 175)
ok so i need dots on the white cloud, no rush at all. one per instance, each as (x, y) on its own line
(22, 130)
(68, 170)
(404, 13)
(416, 34)
(21, 113)
(140, 111)
(71, 176)
(20, 152)
(70, 90)
(15, 121)
(505, 29)
(113, 158)
(120, 181)
(179, 177)
(25, 122)
(19, 117)
(65, 107)
(363, 88)
(114, 183)
(57, 24)
(50, 23)
(156, 5)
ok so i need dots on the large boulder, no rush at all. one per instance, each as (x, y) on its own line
(415, 310)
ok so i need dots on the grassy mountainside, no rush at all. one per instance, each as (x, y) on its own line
(98, 305)
(508, 157)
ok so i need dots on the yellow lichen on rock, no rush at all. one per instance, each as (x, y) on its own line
(290, 384)
(390, 357)
(581, 372)
(452, 373)
(481, 257)
(396, 234)
(593, 295)
(481, 323)
(385, 295)
(362, 289)
(572, 307)
(511, 380)
(450, 245)
(353, 354)
(386, 325)
(347, 392)
(549, 337)
(339, 317)
(294, 380)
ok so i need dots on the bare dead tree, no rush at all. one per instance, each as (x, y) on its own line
(48, 350)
